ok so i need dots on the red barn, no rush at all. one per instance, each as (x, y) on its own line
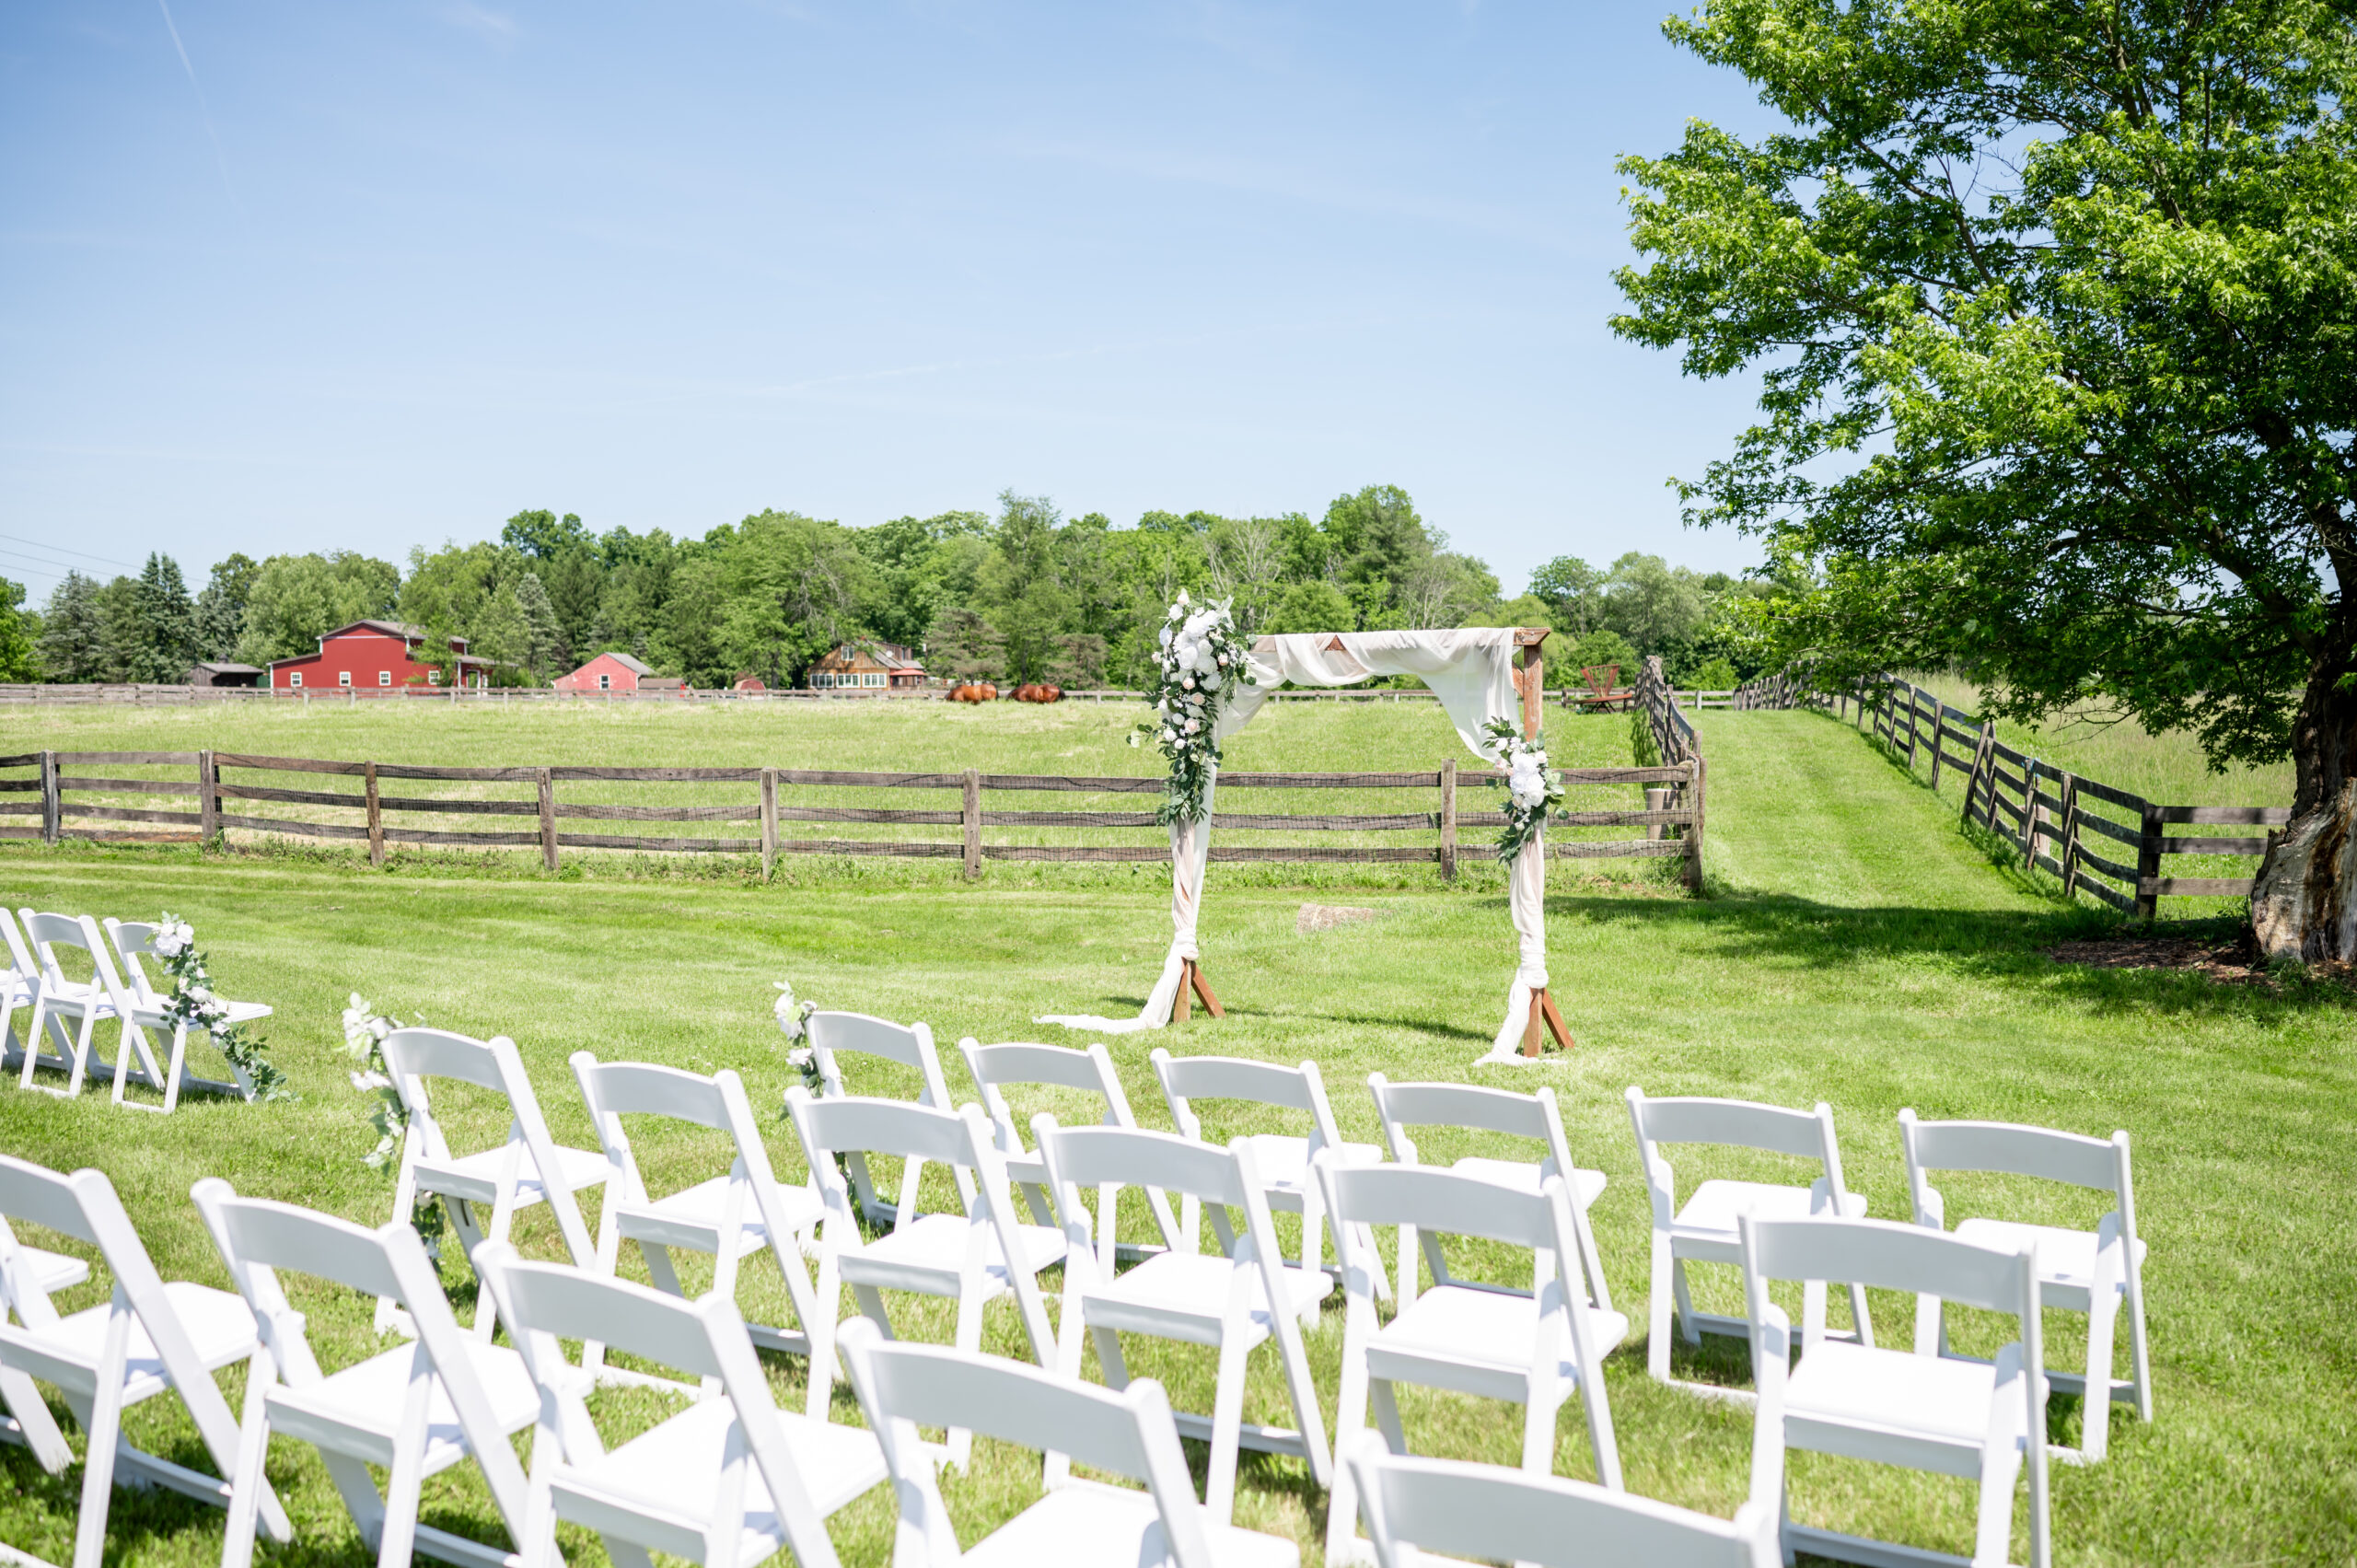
(371, 655)
(607, 672)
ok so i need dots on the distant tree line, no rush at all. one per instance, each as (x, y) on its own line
(1026, 595)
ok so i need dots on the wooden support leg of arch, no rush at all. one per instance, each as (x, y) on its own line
(1542, 1006)
(1191, 978)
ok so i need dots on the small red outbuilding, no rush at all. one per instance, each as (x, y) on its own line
(607, 672)
(371, 655)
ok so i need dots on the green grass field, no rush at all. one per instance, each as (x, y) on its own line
(1855, 948)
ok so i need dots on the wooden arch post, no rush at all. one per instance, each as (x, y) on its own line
(1531, 682)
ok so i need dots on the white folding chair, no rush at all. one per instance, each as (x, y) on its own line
(1282, 1161)
(1416, 1509)
(141, 1008)
(1704, 1230)
(1534, 1348)
(58, 997)
(412, 1412)
(729, 1216)
(1532, 1116)
(2092, 1271)
(149, 1337)
(1082, 1523)
(833, 1036)
(1233, 1303)
(971, 1258)
(1977, 1420)
(18, 983)
(1058, 1067)
(510, 1175)
(730, 1480)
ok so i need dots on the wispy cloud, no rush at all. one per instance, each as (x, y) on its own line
(492, 27)
(204, 111)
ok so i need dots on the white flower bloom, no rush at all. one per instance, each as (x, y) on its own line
(1223, 661)
(1169, 735)
(1194, 724)
(1188, 682)
(800, 1058)
(368, 1083)
(380, 1028)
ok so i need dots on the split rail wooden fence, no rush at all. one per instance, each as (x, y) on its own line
(2088, 833)
(126, 796)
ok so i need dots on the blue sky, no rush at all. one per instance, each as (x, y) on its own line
(280, 277)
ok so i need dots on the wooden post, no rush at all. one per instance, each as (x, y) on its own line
(1448, 820)
(208, 805)
(51, 799)
(377, 816)
(1939, 739)
(2069, 855)
(1700, 766)
(974, 841)
(548, 821)
(1203, 988)
(1911, 694)
(2148, 865)
(769, 815)
(2032, 813)
(1534, 677)
(1655, 800)
(1982, 761)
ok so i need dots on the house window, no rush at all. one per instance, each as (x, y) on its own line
(605, 683)
(293, 678)
(343, 678)
(383, 678)
(434, 678)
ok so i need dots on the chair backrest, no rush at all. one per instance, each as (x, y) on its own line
(615, 1089)
(1188, 1078)
(1062, 1067)
(1534, 1116)
(21, 961)
(47, 932)
(1887, 1255)
(2008, 1149)
(1439, 1201)
(133, 940)
(1601, 678)
(1487, 1512)
(416, 1055)
(834, 1034)
(83, 1206)
(1109, 1158)
(1130, 1432)
(1732, 1123)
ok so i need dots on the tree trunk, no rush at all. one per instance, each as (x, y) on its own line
(2304, 906)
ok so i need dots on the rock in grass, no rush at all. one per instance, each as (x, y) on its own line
(1325, 917)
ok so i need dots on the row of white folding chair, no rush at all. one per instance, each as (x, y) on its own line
(37, 979)
(2096, 1272)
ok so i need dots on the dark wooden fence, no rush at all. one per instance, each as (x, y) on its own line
(2086, 832)
(136, 796)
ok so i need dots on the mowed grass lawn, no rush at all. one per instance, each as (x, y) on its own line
(1854, 948)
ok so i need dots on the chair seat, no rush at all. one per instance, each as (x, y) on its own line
(1169, 1288)
(692, 1217)
(219, 1326)
(935, 1244)
(2065, 1258)
(1284, 1162)
(1090, 1524)
(1523, 1175)
(1896, 1393)
(676, 1468)
(475, 1178)
(1710, 1215)
(1489, 1330)
(364, 1402)
(55, 1270)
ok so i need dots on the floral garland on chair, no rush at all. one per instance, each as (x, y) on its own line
(192, 1003)
(1196, 674)
(364, 1030)
(794, 1022)
(1533, 788)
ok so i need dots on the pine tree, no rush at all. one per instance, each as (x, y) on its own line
(164, 635)
(543, 634)
(16, 658)
(70, 647)
(221, 607)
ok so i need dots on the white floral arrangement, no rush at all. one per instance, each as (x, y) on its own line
(1196, 675)
(193, 1003)
(793, 1016)
(1533, 788)
(364, 1030)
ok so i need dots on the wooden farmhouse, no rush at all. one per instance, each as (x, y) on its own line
(607, 672)
(374, 656)
(874, 668)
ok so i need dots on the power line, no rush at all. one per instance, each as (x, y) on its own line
(63, 549)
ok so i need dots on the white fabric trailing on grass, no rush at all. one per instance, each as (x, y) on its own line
(1471, 671)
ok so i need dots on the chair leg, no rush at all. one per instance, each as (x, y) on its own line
(2139, 1350)
(82, 1052)
(1992, 1542)
(1343, 1543)
(1863, 1319)
(98, 1479)
(180, 1061)
(20, 1397)
(1365, 1236)
(1386, 1414)
(1405, 1293)
(1688, 1321)
(404, 1493)
(1657, 1311)
(1227, 1421)
(2095, 1407)
(969, 1339)
(246, 1482)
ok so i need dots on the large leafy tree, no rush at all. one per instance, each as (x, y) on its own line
(2055, 310)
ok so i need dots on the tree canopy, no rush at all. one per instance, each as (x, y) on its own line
(2054, 311)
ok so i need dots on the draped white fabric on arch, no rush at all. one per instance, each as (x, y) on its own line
(1471, 671)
